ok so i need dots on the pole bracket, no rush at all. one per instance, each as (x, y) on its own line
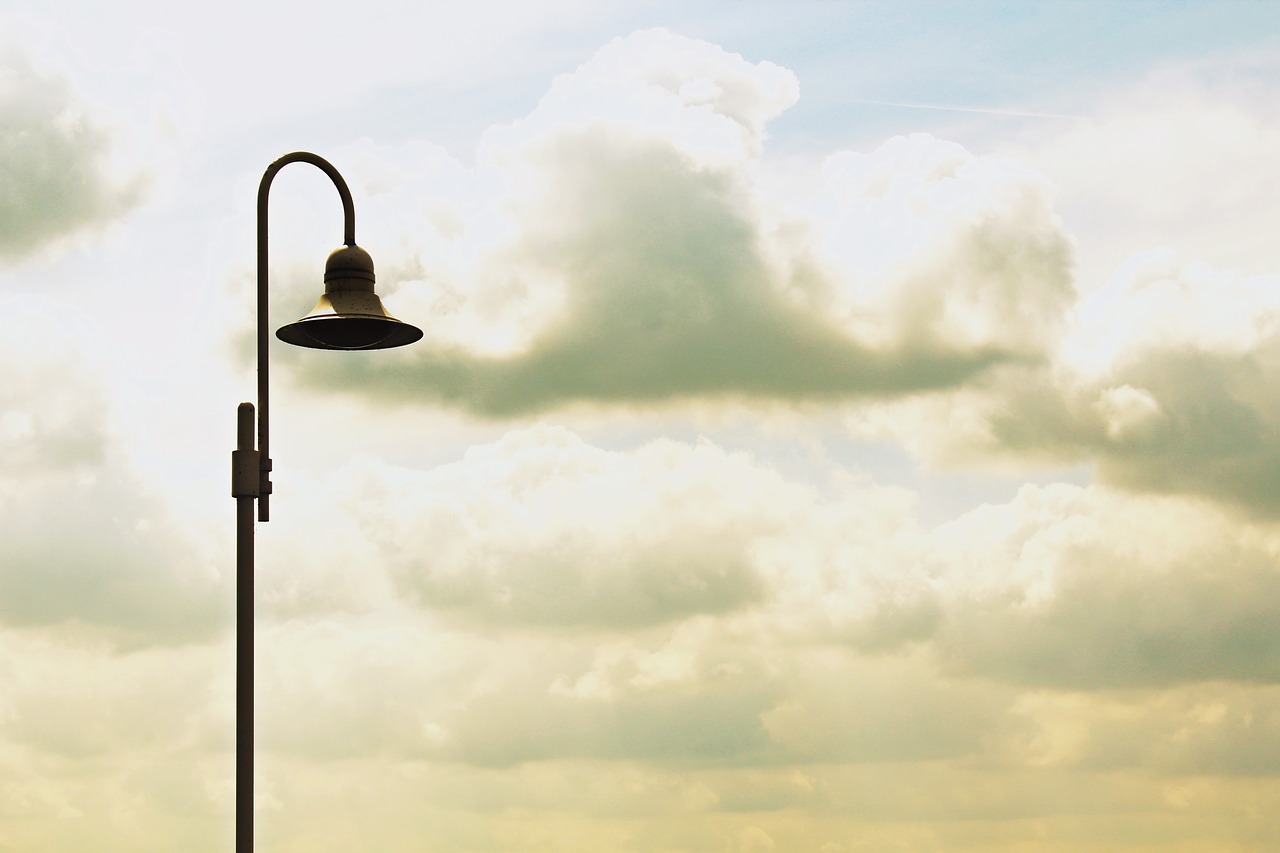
(245, 475)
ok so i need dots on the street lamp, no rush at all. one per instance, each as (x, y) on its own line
(348, 316)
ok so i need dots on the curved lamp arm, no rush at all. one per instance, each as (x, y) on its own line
(348, 238)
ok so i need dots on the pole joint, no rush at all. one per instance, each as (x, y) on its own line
(245, 476)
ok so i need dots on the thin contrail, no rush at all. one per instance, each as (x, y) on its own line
(984, 110)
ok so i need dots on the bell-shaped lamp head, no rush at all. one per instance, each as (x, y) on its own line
(349, 315)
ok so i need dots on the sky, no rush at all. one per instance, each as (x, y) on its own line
(838, 426)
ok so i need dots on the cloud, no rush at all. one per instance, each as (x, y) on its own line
(631, 252)
(142, 700)
(1182, 158)
(56, 178)
(1070, 631)
(541, 528)
(1165, 381)
(1187, 398)
(922, 241)
(1192, 730)
(670, 644)
(96, 747)
(540, 533)
(572, 603)
(494, 701)
(51, 411)
(840, 708)
(82, 542)
(667, 603)
(1161, 379)
(124, 574)
(706, 693)
(1082, 588)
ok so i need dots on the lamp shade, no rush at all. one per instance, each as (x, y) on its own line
(349, 315)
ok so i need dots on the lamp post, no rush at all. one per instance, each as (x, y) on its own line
(348, 316)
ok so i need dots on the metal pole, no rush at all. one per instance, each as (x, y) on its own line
(245, 476)
(251, 481)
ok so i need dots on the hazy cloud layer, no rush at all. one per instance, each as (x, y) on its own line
(1026, 633)
(1064, 587)
(55, 173)
(1072, 631)
(636, 254)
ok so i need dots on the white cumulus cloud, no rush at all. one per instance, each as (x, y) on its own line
(628, 250)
